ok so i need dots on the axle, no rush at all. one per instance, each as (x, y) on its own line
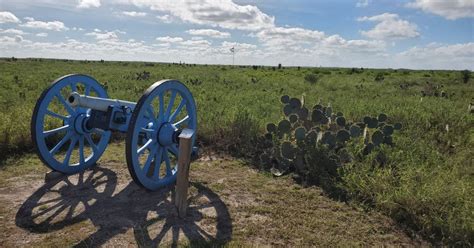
(97, 103)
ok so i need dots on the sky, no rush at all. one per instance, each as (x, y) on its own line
(414, 34)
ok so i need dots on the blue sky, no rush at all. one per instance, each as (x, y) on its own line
(418, 34)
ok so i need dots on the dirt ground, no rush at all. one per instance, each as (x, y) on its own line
(230, 204)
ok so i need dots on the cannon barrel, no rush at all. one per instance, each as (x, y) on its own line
(97, 103)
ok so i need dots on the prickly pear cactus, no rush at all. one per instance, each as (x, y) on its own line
(313, 141)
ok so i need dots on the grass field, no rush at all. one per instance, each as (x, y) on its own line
(426, 185)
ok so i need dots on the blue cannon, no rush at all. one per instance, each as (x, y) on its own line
(73, 121)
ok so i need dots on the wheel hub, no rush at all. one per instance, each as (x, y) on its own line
(80, 123)
(167, 134)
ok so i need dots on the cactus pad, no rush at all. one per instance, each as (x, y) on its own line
(355, 131)
(377, 138)
(284, 126)
(397, 126)
(287, 150)
(300, 133)
(293, 118)
(295, 103)
(387, 130)
(341, 121)
(271, 128)
(285, 99)
(343, 136)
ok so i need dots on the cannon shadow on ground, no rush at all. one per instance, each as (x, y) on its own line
(91, 195)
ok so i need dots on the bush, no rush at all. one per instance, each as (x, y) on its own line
(466, 75)
(311, 78)
(379, 77)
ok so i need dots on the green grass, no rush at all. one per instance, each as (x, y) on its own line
(427, 183)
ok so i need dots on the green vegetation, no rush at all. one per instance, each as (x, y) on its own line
(426, 182)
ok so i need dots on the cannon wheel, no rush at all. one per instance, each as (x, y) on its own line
(58, 130)
(165, 108)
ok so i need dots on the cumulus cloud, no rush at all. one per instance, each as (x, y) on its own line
(165, 18)
(8, 40)
(439, 56)
(134, 13)
(53, 25)
(42, 34)
(85, 4)
(209, 32)
(13, 31)
(389, 26)
(449, 9)
(221, 13)
(278, 35)
(104, 36)
(168, 39)
(6, 16)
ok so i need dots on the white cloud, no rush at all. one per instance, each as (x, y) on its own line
(362, 3)
(165, 18)
(13, 31)
(77, 29)
(168, 39)
(389, 26)
(449, 9)
(221, 13)
(42, 34)
(195, 43)
(8, 40)
(85, 4)
(209, 32)
(103, 36)
(134, 13)
(6, 16)
(288, 36)
(439, 56)
(53, 25)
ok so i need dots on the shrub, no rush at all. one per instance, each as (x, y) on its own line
(379, 77)
(466, 75)
(311, 78)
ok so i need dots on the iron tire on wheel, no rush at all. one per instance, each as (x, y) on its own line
(147, 124)
(57, 91)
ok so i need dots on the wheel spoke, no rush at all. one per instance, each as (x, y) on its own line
(147, 130)
(170, 105)
(168, 164)
(147, 164)
(51, 113)
(81, 150)
(91, 143)
(151, 114)
(145, 146)
(56, 130)
(60, 144)
(177, 124)
(66, 105)
(162, 108)
(69, 151)
(73, 87)
(177, 111)
(87, 91)
(173, 149)
(159, 155)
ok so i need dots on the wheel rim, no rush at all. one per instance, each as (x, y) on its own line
(166, 107)
(58, 131)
